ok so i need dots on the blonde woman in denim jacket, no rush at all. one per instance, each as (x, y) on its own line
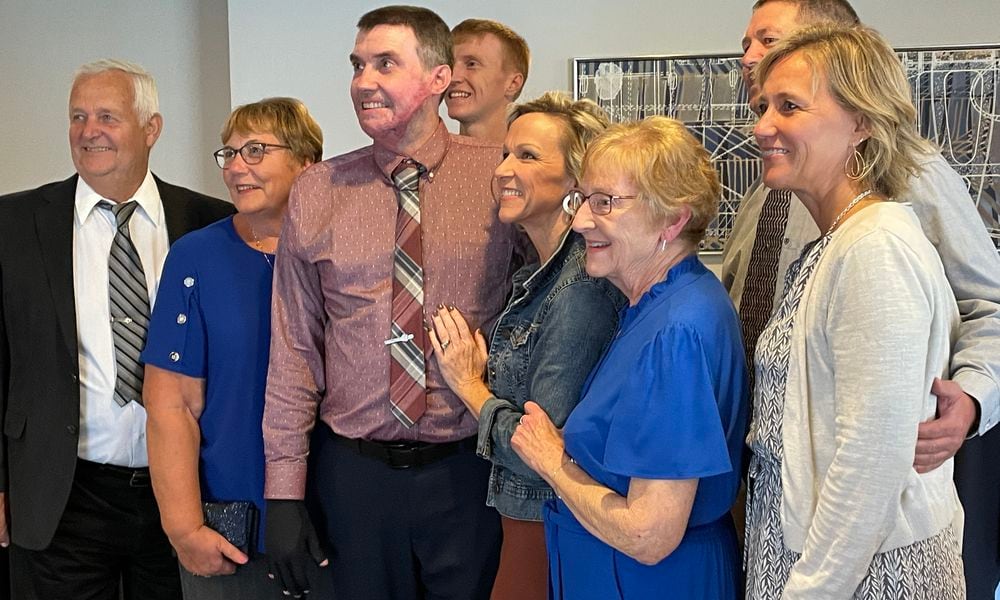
(555, 327)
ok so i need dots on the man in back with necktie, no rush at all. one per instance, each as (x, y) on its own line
(770, 231)
(79, 264)
(373, 240)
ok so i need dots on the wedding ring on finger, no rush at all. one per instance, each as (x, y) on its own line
(445, 344)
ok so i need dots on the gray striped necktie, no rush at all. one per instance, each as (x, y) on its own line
(129, 305)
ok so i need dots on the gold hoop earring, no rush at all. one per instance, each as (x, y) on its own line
(856, 167)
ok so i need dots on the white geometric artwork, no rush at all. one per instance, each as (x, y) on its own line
(955, 91)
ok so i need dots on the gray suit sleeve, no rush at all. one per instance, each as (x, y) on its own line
(950, 220)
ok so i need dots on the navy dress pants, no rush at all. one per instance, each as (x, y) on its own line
(418, 533)
(977, 476)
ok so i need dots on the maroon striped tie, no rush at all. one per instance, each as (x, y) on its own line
(407, 388)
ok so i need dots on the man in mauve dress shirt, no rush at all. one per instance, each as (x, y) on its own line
(402, 510)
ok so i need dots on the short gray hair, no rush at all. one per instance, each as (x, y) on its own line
(814, 12)
(145, 99)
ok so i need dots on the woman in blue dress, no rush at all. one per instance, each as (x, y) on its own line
(647, 466)
(207, 350)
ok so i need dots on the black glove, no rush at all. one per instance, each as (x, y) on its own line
(290, 542)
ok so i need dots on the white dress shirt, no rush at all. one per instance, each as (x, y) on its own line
(110, 433)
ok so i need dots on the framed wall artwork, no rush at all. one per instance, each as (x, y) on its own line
(955, 90)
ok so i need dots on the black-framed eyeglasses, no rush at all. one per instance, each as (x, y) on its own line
(600, 203)
(252, 153)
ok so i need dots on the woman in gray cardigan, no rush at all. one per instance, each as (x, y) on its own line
(845, 366)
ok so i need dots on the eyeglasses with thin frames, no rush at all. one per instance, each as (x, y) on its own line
(600, 203)
(252, 153)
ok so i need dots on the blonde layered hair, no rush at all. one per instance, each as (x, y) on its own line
(864, 75)
(583, 120)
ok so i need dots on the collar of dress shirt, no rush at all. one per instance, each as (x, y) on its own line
(430, 155)
(148, 197)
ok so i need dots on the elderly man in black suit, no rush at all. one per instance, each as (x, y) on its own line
(80, 260)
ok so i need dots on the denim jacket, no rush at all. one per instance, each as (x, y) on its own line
(557, 324)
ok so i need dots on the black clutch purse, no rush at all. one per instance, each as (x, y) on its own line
(235, 521)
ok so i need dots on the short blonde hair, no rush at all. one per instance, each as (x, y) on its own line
(583, 119)
(667, 165)
(288, 119)
(865, 77)
(517, 56)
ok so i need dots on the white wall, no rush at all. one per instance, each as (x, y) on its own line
(205, 64)
(302, 51)
(209, 55)
(183, 43)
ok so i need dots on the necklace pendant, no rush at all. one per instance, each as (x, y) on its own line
(260, 247)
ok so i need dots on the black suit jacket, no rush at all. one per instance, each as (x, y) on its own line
(39, 369)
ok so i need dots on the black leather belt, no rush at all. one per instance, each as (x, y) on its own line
(406, 454)
(138, 477)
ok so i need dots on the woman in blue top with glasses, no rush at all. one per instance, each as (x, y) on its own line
(208, 345)
(555, 326)
(647, 465)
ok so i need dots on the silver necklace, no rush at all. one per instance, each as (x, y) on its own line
(846, 210)
(260, 246)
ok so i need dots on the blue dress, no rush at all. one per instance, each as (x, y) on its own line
(667, 401)
(212, 320)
